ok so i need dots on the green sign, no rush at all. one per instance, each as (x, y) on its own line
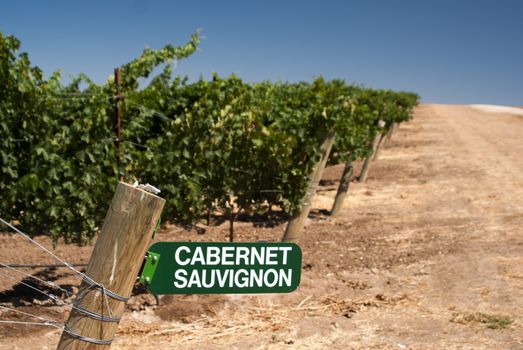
(222, 268)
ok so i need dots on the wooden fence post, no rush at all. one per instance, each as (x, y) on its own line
(343, 187)
(115, 263)
(298, 218)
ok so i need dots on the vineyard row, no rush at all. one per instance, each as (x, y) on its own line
(220, 144)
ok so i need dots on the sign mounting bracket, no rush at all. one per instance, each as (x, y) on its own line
(149, 268)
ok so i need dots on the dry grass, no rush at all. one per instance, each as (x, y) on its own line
(491, 321)
(248, 321)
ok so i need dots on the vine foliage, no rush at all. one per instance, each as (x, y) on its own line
(213, 144)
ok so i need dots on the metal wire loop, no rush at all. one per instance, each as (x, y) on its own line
(100, 287)
(75, 335)
(94, 315)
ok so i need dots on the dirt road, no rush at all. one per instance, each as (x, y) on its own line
(455, 180)
(427, 254)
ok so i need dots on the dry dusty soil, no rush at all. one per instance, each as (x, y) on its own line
(427, 254)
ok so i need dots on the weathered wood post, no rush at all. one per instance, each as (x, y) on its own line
(115, 262)
(392, 130)
(232, 216)
(298, 218)
(118, 138)
(381, 143)
(366, 164)
(343, 187)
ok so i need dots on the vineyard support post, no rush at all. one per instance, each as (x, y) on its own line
(115, 262)
(366, 164)
(393, 128)
(118, 140)
(232, 216)
(343, 188)
(297, 221)
(381, 143)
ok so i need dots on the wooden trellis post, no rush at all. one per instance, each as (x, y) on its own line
(115, 263)
(343, 188)
(366, 164)
(297, 221)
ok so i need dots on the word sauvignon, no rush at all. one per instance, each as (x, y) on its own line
(242, 278)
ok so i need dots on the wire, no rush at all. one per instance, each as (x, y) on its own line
(112, 139)
(39, 265)
(249, 173)
(75, 335)
(136, 144)
(31, 315)
(36, 278)
(86, 278)
(18, 140)
(69, 266)
(50, 296)
(65, 95)
(154, 112)
(95, 315)
(50, 324)
(258, 191)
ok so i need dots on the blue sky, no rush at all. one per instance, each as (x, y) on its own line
(460, 51)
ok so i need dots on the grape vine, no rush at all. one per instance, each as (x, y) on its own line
(206, 144)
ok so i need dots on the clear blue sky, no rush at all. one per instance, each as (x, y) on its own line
(453, 51)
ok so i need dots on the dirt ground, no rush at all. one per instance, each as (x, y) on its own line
(427, 254)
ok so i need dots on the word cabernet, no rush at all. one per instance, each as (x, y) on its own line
(218, 268)
(227, 255)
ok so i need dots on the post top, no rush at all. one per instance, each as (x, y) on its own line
(148, 189)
